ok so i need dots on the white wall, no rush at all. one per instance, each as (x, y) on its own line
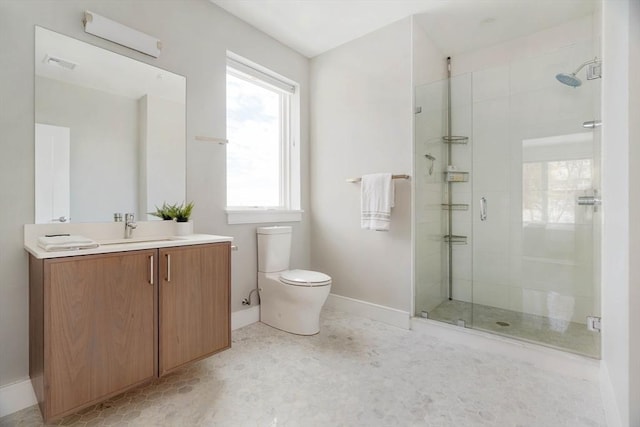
(196, 35)
(161, 154)
(621, 204)
(361, 123)
(428, 60)
(104, 136)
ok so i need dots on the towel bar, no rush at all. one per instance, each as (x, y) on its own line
(220, 141)
(392, 176)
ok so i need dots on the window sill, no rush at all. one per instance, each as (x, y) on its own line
(258, 216)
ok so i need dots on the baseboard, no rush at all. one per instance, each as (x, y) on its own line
(542, 357)
(245, 317)
(16, 396)
(381, 313)
(611, 410)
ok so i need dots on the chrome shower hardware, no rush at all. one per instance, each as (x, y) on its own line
(593, 72)
(592, 124)
(452, 176)
(433, 159)
(592, 200)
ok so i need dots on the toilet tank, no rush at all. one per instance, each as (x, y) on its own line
(274, 248)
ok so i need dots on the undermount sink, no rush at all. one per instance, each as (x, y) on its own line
(138, 240)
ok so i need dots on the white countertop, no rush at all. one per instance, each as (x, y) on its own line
(123, 245)
(148, 235)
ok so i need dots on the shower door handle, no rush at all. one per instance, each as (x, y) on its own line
(483, 209)
(589, 201)
(593, 200)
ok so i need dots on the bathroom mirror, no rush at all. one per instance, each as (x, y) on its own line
(110, 133)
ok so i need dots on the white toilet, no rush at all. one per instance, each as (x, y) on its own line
(290, 300)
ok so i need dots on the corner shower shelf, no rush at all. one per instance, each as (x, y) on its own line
(455, 240)
(452, 139)
(455, 206)
(455, 176)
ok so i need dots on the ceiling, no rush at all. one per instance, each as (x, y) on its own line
(312, 27)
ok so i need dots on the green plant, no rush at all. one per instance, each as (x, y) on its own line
(164, 212)
(181, 213)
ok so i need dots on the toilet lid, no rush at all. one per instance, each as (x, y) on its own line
(304, 278)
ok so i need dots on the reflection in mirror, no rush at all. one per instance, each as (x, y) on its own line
(110, 133)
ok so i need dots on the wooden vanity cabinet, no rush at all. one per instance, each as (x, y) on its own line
(92, 327)
(101, 324)
(194, 303)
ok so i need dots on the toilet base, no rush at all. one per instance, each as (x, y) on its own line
(293, 309)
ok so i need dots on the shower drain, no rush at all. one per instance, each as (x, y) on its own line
(503, 323)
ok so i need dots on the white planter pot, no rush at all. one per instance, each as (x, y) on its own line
(183, 228)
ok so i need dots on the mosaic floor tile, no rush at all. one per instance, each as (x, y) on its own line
(355, 372)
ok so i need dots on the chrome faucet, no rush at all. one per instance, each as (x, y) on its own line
(129, 225)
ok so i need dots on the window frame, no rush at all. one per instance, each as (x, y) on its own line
(289, 179)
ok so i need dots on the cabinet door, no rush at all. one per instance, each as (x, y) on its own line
(194, 313)
(100, 327)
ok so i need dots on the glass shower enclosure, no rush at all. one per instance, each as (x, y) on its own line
(507, 225)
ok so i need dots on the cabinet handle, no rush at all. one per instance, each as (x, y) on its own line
(168, 267)
(151, 269)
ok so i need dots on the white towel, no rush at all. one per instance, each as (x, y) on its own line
(66, 243)
(376, 201)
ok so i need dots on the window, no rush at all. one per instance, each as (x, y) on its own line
(550, 190)
(556, 169)
(263, 173)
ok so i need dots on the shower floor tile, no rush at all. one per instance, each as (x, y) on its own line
(569, 336)
(355, 372)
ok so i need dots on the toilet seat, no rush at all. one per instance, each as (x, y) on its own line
(304, 278)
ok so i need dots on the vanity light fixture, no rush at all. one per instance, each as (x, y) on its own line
(121, 34)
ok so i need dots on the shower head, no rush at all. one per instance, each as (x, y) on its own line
(569, 79)
(593, 72)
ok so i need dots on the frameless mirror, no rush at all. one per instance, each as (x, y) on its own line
(110, 133)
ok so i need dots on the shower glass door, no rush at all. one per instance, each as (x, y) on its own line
(443, 201)
(536, 251)
(526, 263)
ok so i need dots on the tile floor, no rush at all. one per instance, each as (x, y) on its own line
(569, 336)
(356, 372)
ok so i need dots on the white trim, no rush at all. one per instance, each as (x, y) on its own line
(381, 313)
(16, 396)
(259, 216)
(245, 317)
(290, 135)
(256, 73)
(611, 410)
(541, 357)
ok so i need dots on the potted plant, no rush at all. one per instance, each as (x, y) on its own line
(181, 214)
(164, 212)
